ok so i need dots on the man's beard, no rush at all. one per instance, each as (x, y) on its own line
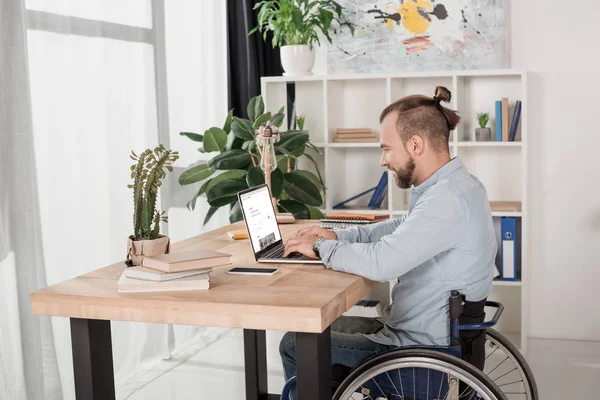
(404, 176)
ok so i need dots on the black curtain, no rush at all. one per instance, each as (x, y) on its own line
(249, 57)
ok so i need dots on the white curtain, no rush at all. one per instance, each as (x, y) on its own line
(105, 78)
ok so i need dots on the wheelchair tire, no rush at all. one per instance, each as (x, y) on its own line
(525, 371)
(418, 358)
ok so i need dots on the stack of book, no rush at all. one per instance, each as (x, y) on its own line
(345, 220)
(355, 135)
(188, 270)
(506, 130)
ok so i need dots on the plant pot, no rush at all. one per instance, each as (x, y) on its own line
(297, 59)
(138, 249)
(483, 134)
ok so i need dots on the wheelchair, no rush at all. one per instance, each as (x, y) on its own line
(479, 364)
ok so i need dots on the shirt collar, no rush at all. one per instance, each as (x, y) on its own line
(441, 173)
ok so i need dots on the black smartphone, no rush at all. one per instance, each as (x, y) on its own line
(252, 271)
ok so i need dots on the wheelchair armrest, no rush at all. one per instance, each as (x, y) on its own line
(487, 324)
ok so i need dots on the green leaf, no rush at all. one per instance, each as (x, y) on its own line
(232, 159)
(232, 174)
(235, 214)
(242, 128)
(195, 174)
(228, 120)
(292, 140)
(277, 119)
(249, 145)
(211, 211)
(261, 120)
(225, 192)
(193, 136)
(277, 182)
(310, 176)
(255, 177)
(215, 139)
(298, 209)
(316, 168)
(284, 151)
(314, 212)
(255, 107)
(302, 188)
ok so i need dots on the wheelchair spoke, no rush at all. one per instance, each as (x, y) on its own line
(511, 383)
(392, 382)
(492, 352)
(401, 388)
(490, 373)
(441, 384)
(379, 388)
(502, 376)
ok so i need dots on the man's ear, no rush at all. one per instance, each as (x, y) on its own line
(416, 145)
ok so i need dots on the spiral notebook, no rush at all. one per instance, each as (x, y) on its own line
(344, 220)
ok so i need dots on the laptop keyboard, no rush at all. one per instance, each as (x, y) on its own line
(277, 253)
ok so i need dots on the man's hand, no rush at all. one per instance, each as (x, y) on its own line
(317, 232)
(302, 244)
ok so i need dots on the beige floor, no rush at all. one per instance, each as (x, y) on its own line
(214, 369)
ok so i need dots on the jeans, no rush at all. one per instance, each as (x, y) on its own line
(347, 347)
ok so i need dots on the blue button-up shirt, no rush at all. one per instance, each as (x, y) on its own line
(446, 242)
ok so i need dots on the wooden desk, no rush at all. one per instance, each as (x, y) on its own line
(300, 298)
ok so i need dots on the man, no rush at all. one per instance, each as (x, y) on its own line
(446, 241)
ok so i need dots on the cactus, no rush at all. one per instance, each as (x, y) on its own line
(147, 173)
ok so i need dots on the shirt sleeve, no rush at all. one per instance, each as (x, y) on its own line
(368, 233)
(435, 225)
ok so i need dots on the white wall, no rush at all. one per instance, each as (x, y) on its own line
(558, 45)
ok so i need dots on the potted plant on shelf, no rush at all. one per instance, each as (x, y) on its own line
(483, 134)
(236, 166)
(147, 173)
(294, 24)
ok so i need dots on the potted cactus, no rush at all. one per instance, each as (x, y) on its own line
(483, 134)
(147, 173)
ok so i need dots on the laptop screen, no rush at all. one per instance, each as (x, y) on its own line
(260, 218)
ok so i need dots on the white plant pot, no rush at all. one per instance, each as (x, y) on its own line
(297, 59)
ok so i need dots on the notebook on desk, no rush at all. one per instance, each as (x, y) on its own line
(263, 230)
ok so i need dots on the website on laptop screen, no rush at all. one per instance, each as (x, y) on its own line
(261, 220)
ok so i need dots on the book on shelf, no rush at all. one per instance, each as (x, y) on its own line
(187, 260)
(353, 130)
(193, 282)
(373, 139)
(515, 122)
(500, 206)
(504, 119)
(149, 274)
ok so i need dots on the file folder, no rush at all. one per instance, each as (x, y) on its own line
(508, 230)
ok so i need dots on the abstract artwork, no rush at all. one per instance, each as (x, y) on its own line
(420, 35)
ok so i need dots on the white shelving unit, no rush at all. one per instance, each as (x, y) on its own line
(330, 102)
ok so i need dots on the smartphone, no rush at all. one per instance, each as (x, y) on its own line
(252, 271)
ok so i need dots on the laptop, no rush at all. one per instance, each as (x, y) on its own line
(263, 230)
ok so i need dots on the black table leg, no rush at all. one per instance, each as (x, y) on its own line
(255, 359)
(92, 359)
(313, 362)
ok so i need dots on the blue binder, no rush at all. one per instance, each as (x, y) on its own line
(377, 197)
(508, 248)
(498, 121)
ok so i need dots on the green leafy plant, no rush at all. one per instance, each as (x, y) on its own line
(296, 21)
(236, 166)
(483, 119)
(147, 174)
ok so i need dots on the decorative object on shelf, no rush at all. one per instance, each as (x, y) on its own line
(355, 135)
(266, 137)
(147, 174)
(237, 165)
(483, 133)
(421, 35)
(294, 24)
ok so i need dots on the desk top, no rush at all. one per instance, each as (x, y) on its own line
(299, 297)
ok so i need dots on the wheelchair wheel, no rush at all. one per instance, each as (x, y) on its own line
(505, 365)
(417, 374)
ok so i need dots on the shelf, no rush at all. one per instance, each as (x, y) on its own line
(507, 214)
(489, 144)
(375, 145)
(507, 283)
